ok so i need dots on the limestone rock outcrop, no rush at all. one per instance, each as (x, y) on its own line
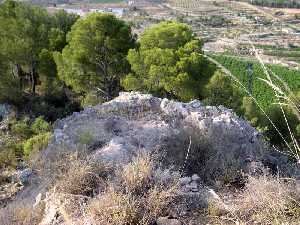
(203, 145)
(133, 123)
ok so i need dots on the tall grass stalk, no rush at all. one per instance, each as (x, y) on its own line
(284, 97)
(284, 94)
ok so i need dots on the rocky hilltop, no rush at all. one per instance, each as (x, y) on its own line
(135, 123)
(142, 158)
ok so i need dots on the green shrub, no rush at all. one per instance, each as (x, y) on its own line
(275, 114)
(221, 91)
(40, 126)
(85, 138)
(169, 63)
(7, 158)
(21, 128)
(36, 143)
(11, 150)
(92, 99)
(251, 111)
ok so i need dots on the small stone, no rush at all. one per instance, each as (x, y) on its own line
(167, 221)
(195, 190)
(195, 104)
(185, 180)
(195, 177)
(194, 184)
(38, 199)
(187, 187)
(213, 195)
(25, 175)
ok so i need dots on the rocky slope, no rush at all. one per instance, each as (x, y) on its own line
(193, 145)
(134, 123)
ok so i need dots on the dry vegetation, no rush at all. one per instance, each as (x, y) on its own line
(140, 193)
(21, 213)
(140, 197)
(265, 200)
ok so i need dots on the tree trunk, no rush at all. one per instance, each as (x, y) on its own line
(103, 69)
(33, 77)
(19, 74)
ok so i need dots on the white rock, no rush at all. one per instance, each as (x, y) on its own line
(213, 195)
(195, 190)
(193, 185)
(185, 180)
(167, 221)
(195, 177)
(38, 199)
(196, 104)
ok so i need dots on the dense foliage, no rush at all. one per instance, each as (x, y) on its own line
(28, 38)
(95, 57)
(28, 35)
(221, 91)
(25, 138)
(169, 62)
(265, 97)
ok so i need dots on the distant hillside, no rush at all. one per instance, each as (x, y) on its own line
(277, 3)
(51, 2)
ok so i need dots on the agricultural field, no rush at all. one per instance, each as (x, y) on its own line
(223, 25)
(226, 25)
(190, 4)
(106, 1)
(261, 91)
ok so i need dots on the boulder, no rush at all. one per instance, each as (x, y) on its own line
(201, 142)
(134, 123)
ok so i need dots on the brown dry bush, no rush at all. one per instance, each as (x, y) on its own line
(134, 197)
(114, 208)
(21, 213)
(270, 200)
(82, 178)
(265, 200)
(136, 176)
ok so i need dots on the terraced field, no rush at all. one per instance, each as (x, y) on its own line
(190, 4)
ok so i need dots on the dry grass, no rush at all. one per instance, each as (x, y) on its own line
(21, 213)
(82, 178)
(134, 197)
(136, 176)
(269, 200)
(114, 208)
(265, 200)
(158, 202)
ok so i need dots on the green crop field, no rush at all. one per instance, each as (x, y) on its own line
(261, 91)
